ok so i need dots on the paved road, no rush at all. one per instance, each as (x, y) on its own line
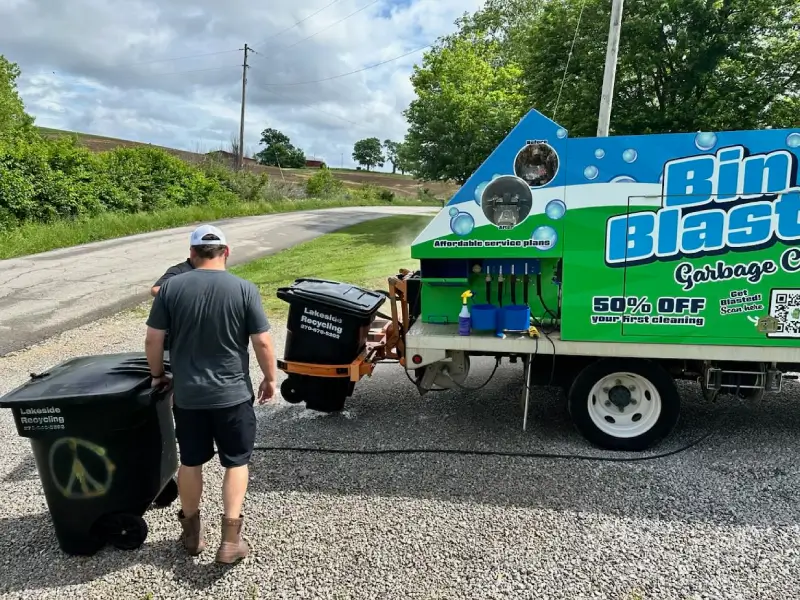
(44, 294)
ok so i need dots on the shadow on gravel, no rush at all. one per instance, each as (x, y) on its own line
(38, 563)
(744, 474)
(25, 470)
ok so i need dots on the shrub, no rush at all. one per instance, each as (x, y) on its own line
(367, 191)
(386, 195)
(324, 185)
(425, 195)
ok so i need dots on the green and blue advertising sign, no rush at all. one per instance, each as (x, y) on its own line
(664, 238)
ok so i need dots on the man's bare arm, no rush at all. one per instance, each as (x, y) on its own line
(265, 354)
(154, 349)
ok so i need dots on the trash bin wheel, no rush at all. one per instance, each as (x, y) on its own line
(168, 495)
(122, 530)
(331, 403)
(291, 392)
(329, 396)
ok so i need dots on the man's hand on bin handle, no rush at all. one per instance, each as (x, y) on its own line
(266, 391)
(161, 384)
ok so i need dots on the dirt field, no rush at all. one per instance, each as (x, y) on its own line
(401, 185)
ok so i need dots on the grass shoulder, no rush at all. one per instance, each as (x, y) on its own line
(32, 238)
(365, 254)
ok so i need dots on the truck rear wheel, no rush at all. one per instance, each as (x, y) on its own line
(624, 404)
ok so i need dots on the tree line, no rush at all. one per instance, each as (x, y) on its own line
(44, 180)
(369, 153)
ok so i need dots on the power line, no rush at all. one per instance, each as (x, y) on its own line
(296, 24)
(348, 73)
(193, 71)
(311, 106)
(569, 57)
(183, 72)
(148, 62)
(325, 28)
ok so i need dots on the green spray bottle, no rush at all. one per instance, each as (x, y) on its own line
(464, 318)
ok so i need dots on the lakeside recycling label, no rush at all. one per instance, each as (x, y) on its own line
(321, 323)
(48, 418)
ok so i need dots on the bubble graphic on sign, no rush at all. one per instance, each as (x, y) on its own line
(599, 153)
(793, 140)
(591, 172)
(496, 175)
(623, 179)
(555, 209)
(453, 211)
(705, 140)
(462, 224)
(479, 191)
(546, 237)
(561, 133)
(630, 155)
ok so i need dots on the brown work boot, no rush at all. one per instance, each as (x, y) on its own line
(233, 547)
(192, 537)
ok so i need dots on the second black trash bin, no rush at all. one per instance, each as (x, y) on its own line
(104, 445)
(328, 324)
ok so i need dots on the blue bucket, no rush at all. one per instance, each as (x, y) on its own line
(484, 317)
(516, 317)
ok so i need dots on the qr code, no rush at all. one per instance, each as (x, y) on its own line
(784, 305)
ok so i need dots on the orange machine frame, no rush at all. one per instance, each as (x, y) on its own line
(384, 341)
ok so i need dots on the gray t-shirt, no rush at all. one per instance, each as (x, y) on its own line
(210, 316)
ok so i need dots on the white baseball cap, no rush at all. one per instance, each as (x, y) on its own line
(196, 239)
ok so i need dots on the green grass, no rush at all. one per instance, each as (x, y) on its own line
(365, 254)
(32, 238)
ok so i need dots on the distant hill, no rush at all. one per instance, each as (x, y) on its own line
(402, 185)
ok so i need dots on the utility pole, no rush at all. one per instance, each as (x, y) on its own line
(240, 158)
(610, 72)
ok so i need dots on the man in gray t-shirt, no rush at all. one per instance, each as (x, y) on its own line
(211, 316)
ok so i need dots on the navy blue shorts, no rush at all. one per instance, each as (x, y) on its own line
(233, 428)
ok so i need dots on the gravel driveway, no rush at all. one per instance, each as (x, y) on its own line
(717, 521)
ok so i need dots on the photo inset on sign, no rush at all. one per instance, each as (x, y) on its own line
(506, 201)
(537, 164)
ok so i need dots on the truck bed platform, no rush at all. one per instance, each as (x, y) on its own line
(425, 337)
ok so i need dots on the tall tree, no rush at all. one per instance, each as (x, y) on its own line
(279, 151)
(368, 152)
(683, 65)
(13, 118)
(391, 149)
(467, 102)
(405, 163)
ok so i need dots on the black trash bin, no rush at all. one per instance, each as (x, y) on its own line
(328, 324)
(104, 445)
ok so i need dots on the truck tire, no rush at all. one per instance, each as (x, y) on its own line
(624, 404)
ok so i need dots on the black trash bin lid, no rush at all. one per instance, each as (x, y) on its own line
(344, 297)
(83, 380)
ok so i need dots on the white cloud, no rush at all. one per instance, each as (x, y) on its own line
(82, 67)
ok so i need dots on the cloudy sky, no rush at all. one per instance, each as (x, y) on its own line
(100, 66)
